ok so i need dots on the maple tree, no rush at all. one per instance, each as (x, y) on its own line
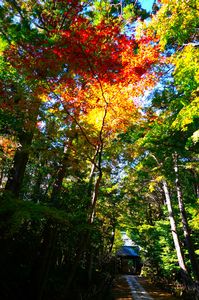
(103, 109)
(82, 50)
(88, 94)
(85, 50)
(82, 147)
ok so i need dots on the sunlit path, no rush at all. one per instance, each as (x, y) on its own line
(129, 287)
(138, 292)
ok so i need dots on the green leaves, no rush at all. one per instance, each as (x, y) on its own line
(187, 115)
(15, 212)
(186, 72)
(176, 22)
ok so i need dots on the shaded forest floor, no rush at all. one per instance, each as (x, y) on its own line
(122, 291)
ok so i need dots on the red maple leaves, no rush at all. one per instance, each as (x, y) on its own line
(80, 62)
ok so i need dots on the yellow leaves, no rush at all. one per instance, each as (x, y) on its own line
(154, 182)
(43, 97)
(53, 110)
(110, 108)
(95, 117)
(175, 22)
(195, 136)
(152, 186)
(101, 108)
(187, 115)
(8, 146)
(187, 68)
(195, 221)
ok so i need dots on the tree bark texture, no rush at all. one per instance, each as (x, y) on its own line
(173, 228)
(16, 174)
(185, 225)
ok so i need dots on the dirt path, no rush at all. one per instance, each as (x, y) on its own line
(129, 287)
(137, 290)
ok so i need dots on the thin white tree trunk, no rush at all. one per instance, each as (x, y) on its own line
(185, 225)
(173, 228)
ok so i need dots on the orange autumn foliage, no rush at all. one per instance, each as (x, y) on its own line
(95, 71)
(7, 146)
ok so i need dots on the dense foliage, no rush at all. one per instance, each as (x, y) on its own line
(99, 118)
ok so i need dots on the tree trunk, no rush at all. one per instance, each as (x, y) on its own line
(96, 187)
(41, 267)
(47, 260)
(80, 250)
(16, 174)
(174, 230)
(112, 239)
(91, 214)
(196, 182)
(36, 189)
(2, 173)
(90, 267)
(185, 226)
(58, 182)
(61, 173)
(95, 197)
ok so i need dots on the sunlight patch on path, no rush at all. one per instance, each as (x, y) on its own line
(137, 291)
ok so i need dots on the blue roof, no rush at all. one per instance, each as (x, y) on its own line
(127, 251)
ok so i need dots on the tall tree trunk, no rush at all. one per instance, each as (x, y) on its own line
(58, 182)
(80, 250)
(17, 171)
(2, 173)
(196, 182)
(50, 238)
(16, 174)
(61, 173)
(37, 187)
(91, 220)
(94, 198)
(149, 214)
(185, 226)
(112, 238)
(96, 186)
(91, 214)
(41, 267)
(50, 232)
(174, 232)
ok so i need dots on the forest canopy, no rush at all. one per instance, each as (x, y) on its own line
(99, 132)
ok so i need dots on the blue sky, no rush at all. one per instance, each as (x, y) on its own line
(147, 4)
